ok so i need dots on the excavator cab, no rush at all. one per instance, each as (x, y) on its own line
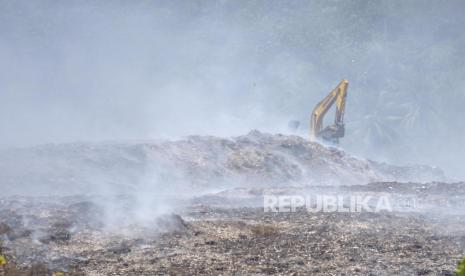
(334, 132)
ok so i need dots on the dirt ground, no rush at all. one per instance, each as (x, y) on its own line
(227, 239)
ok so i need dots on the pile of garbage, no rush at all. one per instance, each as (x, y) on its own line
(255, 159)
(173, 207)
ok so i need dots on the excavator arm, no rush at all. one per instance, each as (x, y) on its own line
(333, 132)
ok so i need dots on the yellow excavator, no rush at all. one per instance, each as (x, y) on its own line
(333, 132)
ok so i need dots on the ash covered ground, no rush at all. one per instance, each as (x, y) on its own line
(195, 206)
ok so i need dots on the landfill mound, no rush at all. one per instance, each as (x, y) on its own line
(195, 206)
(256, 159)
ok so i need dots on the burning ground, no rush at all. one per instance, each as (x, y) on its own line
(196, 206)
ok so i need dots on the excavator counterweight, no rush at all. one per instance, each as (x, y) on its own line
(331, 133)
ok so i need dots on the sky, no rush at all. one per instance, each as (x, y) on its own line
(123, 70)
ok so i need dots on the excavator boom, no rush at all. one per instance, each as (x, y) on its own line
(333, 132)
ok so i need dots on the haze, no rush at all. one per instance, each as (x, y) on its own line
(116, 70)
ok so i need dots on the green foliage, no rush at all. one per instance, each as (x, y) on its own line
(3, 260)
(460, 269)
